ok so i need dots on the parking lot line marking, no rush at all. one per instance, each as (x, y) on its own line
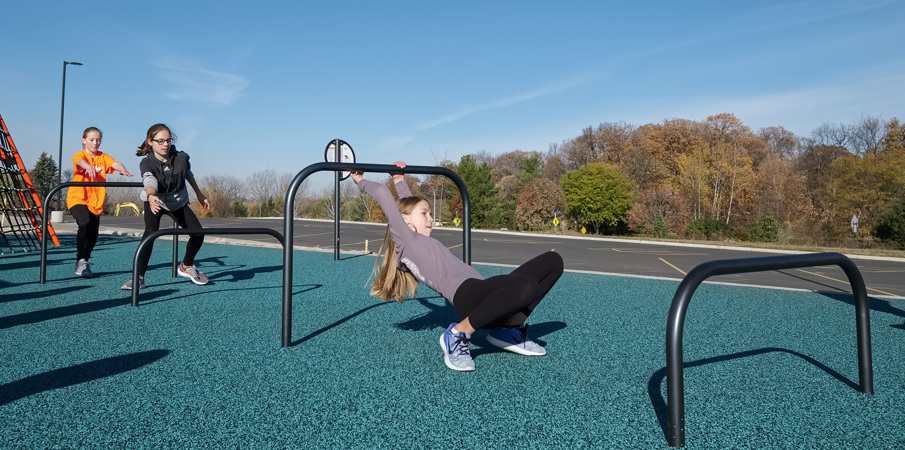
(674, 267)
(841, 281)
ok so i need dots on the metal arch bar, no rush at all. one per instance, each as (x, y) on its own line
(289, 213)
(44, 220)
(148, 241)
(675, 388)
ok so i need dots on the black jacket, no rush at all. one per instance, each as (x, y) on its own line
(168, 178)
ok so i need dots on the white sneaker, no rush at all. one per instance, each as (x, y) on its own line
(515, 340)
(456, 352)
(197, 276)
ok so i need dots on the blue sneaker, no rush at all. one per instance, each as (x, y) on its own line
(456, 352)
(515, 340)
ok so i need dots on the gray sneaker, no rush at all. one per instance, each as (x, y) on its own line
(515, 340)
(194, 274)
(456, 353)
(128, 285)
(83, 269)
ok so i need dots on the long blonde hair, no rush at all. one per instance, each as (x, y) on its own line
(391, 283)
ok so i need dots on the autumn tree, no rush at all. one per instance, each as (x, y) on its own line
(864, 186)
(658, 207)
(894, 139)
(867, 135)
(284, 180)
(554, 164)
(668, 141)
(814, 163)
(598, 195)
(263, 189)
(779, 188)
(224, 193)
(694, 172)
(832, 135)
(535, 204)
(350, 203)
(780, 142)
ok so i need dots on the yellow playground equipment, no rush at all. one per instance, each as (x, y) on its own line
(127, 205)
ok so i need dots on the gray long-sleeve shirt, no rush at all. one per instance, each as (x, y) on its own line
(425, 257)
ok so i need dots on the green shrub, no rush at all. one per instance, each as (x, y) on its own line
(765, 230)
(708, 228)
(660, 228)
(890, 228)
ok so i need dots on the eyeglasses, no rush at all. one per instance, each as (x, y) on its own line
(162, 141)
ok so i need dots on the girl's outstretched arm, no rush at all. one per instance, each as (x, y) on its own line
(205, 203)
(121, 169)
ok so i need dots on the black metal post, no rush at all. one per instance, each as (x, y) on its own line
(675, 388)
(62, 110)
(336, 202)
(175, 247)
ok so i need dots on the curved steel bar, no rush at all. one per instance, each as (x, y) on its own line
(148, 241)
(289, 213)
(675, 388)
(54, 190)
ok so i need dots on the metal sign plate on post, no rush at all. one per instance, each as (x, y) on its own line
(347, 155)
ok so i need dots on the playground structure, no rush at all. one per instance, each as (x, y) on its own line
(20, 206)
(126, 206)
(286, 238)
(674, 365)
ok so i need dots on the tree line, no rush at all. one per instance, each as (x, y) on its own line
(710, 179)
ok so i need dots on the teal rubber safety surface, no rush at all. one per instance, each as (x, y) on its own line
(202, 366)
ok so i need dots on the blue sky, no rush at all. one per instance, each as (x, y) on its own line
(250, 86)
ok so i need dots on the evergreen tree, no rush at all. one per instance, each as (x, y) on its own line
(765, 230)
(44, 175)
(891, 227)
(660, 228)
(486, 210)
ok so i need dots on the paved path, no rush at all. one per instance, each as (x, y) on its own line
(883, 276)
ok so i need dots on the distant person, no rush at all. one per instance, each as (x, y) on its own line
(86, 203)
(501, 304)
(164, 173)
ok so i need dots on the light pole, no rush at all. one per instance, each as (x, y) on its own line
(434, 191)
(62, 109)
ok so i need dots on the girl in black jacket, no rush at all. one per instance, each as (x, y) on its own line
(164, 173)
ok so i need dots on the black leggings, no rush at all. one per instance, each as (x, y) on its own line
(89, 226)
(508, 300)
(186, 219)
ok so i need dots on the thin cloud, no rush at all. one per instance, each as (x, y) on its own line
(806, 12)
(770, 19)
(395, 142)
(192, 82)
(555, 88)
(874, 91)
